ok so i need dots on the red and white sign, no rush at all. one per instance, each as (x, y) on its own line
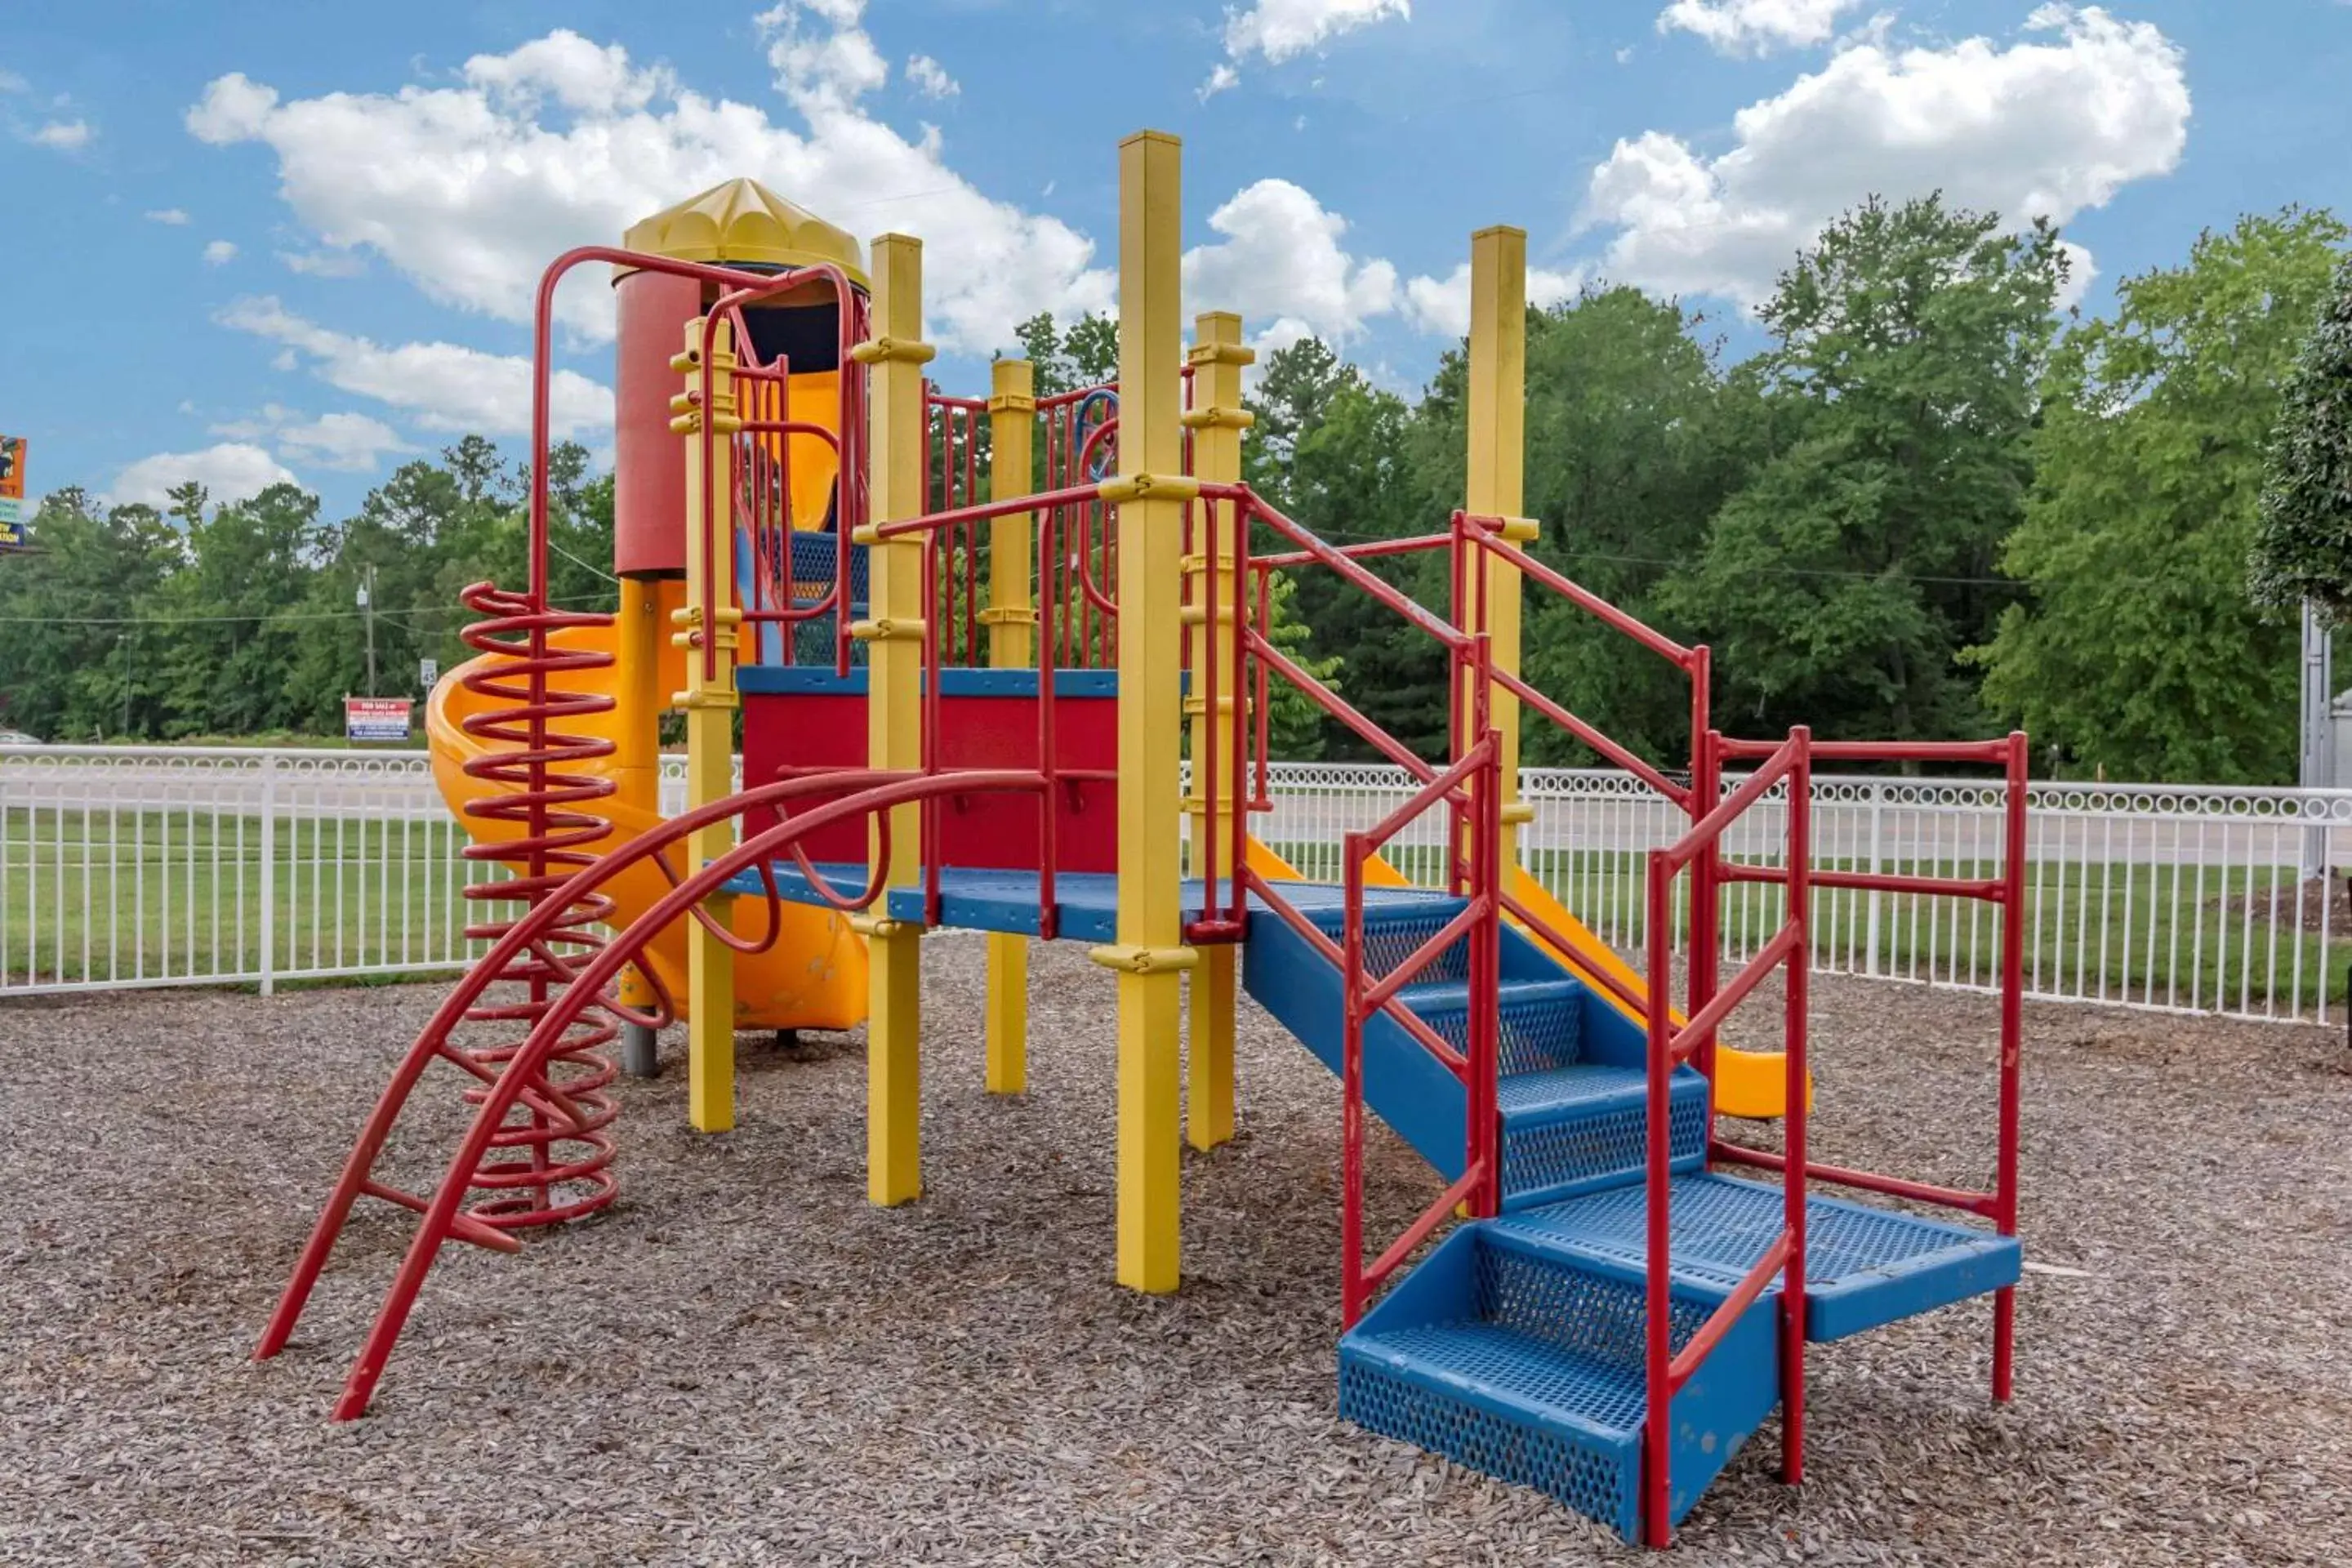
(376, 717)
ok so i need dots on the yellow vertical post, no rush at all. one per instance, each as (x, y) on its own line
(1150, 494)
(1010, 616)
(1217, 420)
(636, 763)
(894, 633)
(710, 703)
(1497, 421)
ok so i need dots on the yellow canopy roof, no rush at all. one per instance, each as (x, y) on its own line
(743, 221)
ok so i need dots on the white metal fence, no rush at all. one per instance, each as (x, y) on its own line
(130, 867)
(2143, 895)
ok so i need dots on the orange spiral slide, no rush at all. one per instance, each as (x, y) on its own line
(812, 976)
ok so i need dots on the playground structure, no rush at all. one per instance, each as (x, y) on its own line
(972, 640)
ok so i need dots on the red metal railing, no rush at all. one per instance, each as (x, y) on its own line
(2008, 891)
(1470, 790)
(1479, 923)
(951, 480)
(1664, 1369)
(762, 470)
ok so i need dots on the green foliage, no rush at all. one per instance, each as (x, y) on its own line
(2303, 535)
(1840, 585)
(243, 620)
(2137, 650)
(1086, 356)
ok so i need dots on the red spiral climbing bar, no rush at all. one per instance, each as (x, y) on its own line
(554, 1161)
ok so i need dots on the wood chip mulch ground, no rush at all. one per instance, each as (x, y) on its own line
(744, 1363)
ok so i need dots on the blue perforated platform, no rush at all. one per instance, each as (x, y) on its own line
(1864, 1266)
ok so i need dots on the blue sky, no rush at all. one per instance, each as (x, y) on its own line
(259, 238)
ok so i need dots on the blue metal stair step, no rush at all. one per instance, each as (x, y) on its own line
(1583, 1128)
(1527, 1366)
(1865, 1266)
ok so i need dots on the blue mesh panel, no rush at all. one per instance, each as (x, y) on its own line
(1595, 1481)
(814, 560)
(1607, 1143)
(1390, 939)
(1541, 1027)
(1595, 1315)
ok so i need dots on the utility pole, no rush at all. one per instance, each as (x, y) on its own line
(130, 641)
(2319, 769)
(367, 608)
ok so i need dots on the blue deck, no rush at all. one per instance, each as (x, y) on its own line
(977, 898)
(1865, 1266)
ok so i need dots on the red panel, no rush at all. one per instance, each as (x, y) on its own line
(649, 462)
(800, 731)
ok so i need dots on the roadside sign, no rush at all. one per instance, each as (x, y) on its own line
(12, 493)
(428, 670)
(376, 717)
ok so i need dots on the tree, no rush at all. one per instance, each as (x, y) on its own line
(1087, 356)
(69, 613)
(1634, 441)
(2137, 650)
(2303, 533)
(1839, 586)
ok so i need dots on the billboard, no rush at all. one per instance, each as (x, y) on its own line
(376, 717)
(12, 493)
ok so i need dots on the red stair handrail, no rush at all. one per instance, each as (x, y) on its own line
(2006, 890)
(1479, 922)
(1666, 1370)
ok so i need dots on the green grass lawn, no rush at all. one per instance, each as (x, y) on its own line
(112, 896)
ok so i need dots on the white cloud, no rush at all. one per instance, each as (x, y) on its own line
(1283, 265)
(63, 135)
(446, 385)
(220, 253)
(1441, 306)
(323, 263)
(931, 78)
(580, 75)
(1281, 262)
(1280, 29)
(2045, 127)
(468, 190)
(2081, 272)
(1756, 27)
(172, 217)
(10, 82)
(353, 443)
(1277, 30)
(231, 472)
